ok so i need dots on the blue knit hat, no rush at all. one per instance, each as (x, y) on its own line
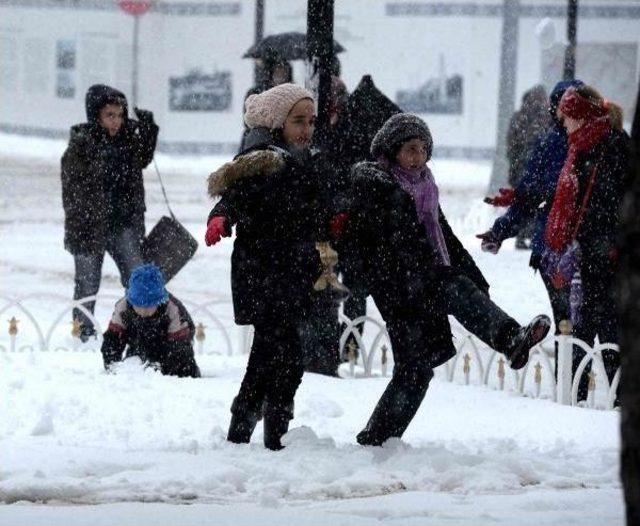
(146, 287)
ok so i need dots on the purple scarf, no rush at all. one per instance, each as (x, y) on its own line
(421, 186)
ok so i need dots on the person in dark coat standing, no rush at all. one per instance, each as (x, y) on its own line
(103, 192)
(527, 126)
(532, 199)
(417, 272)
(153, 325)
(585, 212)
(275, 196)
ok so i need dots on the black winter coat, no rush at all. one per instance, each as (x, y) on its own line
(397, 260)
(599, 229)
(279, 205)
(102, 186)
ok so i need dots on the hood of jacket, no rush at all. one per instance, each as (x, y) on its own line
(98, 96)
(252, 164)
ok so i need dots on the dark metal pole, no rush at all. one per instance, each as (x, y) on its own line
(259, 35)
(320, 56)
(507, 91)
(572, 33)
(134, 69)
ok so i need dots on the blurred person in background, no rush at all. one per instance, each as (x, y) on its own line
(527, 126)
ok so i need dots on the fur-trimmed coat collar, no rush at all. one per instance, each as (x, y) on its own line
(257, 162)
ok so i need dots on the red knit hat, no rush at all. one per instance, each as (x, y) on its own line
(576, 106)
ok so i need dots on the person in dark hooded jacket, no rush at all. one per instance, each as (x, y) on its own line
(418, 272)
(103, 192)
(276, 196)
(532, 200)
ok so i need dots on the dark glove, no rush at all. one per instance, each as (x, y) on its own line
(144, 116)
(217, 228)
(490, 243)
(337, 224)
(505, 197)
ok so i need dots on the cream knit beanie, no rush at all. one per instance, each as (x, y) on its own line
(270, 108)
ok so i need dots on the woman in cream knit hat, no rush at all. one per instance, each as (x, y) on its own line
(274, 194)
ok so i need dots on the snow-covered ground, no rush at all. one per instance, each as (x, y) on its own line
(78, 446)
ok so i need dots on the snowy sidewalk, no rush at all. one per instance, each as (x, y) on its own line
(138, 448)
(72, 434)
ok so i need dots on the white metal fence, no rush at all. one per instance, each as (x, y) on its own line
(42, 322)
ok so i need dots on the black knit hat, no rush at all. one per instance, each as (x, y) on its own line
(398, 129)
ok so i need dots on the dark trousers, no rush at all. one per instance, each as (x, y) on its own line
(478, 313)
(124, 248)
(320, 337)
(406, 390)
(274, 371)
(559, 300)
(598, 317)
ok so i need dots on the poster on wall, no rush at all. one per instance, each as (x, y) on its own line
(65, 69)
(197, 91)
(440, 94)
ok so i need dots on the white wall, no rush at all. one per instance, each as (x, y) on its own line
(400, 52)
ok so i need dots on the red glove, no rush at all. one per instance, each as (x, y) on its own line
(337, 224)
(217, 228)
(490, 243)
(505, 197)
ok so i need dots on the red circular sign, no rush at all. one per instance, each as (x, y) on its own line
(135, 7)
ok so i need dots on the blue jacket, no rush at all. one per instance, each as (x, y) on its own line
(534, 194)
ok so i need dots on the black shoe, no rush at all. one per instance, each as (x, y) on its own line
(365, 438)
(241, 427)
(86, 333)
(525, 338)
(276, 425)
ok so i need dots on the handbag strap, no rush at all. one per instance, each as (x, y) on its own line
(583, 207)
(164, 192)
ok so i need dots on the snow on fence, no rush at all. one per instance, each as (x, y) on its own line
(37, 323)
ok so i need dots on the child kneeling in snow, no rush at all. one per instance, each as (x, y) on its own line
(152, 324)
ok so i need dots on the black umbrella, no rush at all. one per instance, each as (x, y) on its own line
(287, 46)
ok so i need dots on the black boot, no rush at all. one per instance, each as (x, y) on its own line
(519, 341)
(397, 405)
(241, 427)
(243, 422)
(276, 425)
